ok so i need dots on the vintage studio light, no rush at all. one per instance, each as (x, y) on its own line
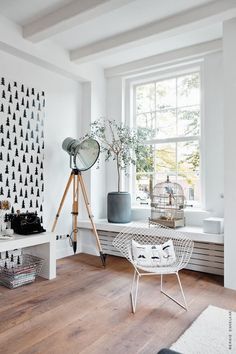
(83, 156)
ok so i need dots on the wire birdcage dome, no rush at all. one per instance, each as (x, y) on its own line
(167, 204)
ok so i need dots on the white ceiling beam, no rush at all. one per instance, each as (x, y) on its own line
(55, 59)
(68, 16)
(44, 63)
(168, 58)
(196, 18)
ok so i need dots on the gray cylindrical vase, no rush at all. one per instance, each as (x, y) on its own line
(119, 207)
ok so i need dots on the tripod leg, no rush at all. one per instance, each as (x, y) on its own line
(75, 211)
(62, 202)
(102, 255)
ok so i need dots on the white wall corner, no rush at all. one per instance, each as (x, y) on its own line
(229, 60)
(212, 133)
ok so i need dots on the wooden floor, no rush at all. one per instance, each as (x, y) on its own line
(86, 309)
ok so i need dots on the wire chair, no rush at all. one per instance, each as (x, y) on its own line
(154, 235)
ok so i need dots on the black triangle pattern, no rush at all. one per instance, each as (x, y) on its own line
(22, 112)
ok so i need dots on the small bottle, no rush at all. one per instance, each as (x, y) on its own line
(12, 261)
(12, 264)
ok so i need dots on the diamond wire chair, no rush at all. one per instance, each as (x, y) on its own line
(158, 234)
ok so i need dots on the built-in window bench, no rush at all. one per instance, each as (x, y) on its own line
(208, 253)
(41, 245)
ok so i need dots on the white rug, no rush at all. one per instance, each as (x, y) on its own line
(213, 332)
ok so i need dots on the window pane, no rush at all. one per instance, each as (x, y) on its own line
(189, 170)
(188, 88)
(188, 121)
(146, 126)
(145, 163)
(145, 98)
(166, 94)
(144, 120)
(166, 124)
(169, 109)
(144, 184)
(164, 161)
(144, 175)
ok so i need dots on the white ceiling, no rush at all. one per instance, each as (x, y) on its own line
(162, 46)
(129, 15)
(26, 11)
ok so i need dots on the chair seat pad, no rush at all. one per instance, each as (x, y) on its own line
(173, 268)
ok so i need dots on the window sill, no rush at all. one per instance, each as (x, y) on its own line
(194, 233)
(147, 207)
(193, 216)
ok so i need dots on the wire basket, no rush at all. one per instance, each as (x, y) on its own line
(19, 270)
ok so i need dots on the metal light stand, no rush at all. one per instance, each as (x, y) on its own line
(77, 180)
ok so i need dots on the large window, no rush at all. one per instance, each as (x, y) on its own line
(167, 112)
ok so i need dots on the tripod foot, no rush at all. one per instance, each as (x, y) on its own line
(74, 245)
(103, 257)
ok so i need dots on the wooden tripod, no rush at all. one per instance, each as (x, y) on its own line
(77, 180)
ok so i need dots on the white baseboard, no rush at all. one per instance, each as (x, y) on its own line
(63, 249)
(90, 249)
(86, 244)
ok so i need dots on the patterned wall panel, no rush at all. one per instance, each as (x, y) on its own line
(22, 113)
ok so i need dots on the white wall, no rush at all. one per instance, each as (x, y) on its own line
(213, 134)
(94, 107)
(98, 175)
(63, 114)
(115, 104)
(229, 47)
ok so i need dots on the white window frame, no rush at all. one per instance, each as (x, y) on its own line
(130, 113)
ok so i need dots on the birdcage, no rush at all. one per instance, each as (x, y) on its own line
(167, 204)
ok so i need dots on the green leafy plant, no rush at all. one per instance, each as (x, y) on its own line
(118, 142)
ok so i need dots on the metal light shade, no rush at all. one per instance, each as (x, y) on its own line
(83, 154)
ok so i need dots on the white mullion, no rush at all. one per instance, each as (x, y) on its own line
(155, 105)
(133, 180)
(173, 140)
(177, 130)
(154, 147)
(176, 106)
(202, 139)
(167, 109)
(176, 161)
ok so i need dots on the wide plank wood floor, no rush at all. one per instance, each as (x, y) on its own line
(86, 309)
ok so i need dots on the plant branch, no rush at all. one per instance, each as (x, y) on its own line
(118, 142)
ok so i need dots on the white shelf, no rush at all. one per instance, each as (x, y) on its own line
(42, 245)
(194, 233)
(22, 241)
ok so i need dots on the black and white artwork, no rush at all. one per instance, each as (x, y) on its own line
(22, 113)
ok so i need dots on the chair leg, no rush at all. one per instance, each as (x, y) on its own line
(134, 291)
(184, 306)
(182, 291)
